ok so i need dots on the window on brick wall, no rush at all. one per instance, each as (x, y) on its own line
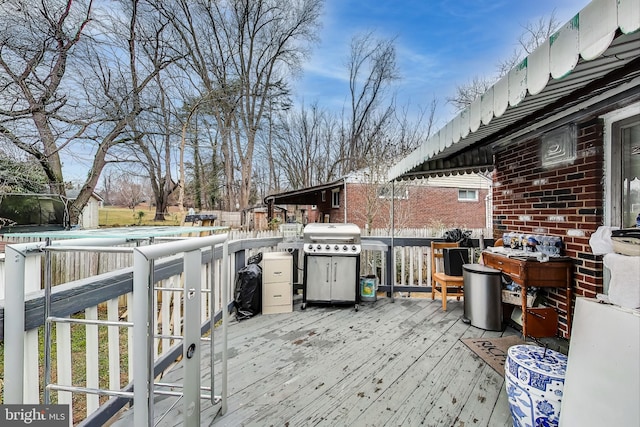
(385, 191)
(625, 171)
(622, 170)
(466, 195)
(335, 198)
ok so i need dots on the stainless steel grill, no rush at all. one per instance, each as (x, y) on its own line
(331, 264)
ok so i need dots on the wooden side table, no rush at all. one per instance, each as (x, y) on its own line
(555, 273)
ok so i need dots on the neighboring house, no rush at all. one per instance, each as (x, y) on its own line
(460, 200)
(562, 133)
(89, 217)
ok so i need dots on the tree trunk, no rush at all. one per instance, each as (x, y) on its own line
(160, 211)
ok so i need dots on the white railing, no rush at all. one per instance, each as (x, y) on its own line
(145, 324)
(72, 266)
(22, 381)
(22, 278)
(109, 299)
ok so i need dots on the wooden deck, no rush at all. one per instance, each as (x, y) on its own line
(389, 364)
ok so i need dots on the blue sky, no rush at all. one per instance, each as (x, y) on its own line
(440, 43)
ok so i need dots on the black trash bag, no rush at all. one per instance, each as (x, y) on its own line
(255, 259)
(248, 292)
(462, 237)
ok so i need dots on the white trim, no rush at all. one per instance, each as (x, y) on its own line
(609, 120)
(467, 190)
(333, 196)
(345, 202)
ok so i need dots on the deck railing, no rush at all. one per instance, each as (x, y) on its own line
(109, 344)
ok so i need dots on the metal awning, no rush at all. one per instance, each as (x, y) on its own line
(592, 59)
(305, 196)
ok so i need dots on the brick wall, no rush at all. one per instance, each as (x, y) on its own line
(425, 206)
(565, 201)
(326, 208)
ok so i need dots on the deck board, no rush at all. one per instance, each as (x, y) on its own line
(393, 364)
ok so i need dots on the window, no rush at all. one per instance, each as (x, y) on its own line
(335, 199)
(384, 192)
(465, 195)
(625, 172)
(324, 196)
(622, 170)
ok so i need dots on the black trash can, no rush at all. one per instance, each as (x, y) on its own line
(482, 296)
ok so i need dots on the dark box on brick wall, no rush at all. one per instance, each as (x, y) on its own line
(454, 258)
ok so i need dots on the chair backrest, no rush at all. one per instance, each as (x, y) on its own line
(437, 257)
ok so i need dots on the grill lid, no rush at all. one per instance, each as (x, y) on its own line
(331, 233)
(332, 239)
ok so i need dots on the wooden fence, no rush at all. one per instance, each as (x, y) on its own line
(72, 266)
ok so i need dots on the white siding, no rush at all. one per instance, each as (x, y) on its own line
(460, 181)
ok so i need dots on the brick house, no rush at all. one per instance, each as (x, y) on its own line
(562, 133)
(460, 201)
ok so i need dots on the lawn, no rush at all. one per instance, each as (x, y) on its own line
(123, 217)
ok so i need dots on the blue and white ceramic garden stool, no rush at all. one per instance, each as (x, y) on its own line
(534, 379)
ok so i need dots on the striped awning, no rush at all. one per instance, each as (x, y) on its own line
(592, 57)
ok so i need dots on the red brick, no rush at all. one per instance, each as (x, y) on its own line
(524, 159)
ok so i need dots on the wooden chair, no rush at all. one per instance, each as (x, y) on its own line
(441, 284)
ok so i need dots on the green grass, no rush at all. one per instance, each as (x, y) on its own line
(123, 217)
(78, 362)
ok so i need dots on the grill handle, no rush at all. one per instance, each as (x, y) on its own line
(326, 239)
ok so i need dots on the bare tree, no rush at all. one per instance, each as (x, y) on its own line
(271, 37)
(242, 51)
(36, 41)
(141, 33)
(413, 129)
(197, 25)
(466, 93)
(94, 104)
(210, 166)
(128, 190)
(532, 36)
(372, 68)
(399, 137)
(107, 190)
(153, 142)
(304, 147)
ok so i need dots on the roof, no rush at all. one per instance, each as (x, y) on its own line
(593, 59)
(72, 194)
(302, 196)
(310, 195)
